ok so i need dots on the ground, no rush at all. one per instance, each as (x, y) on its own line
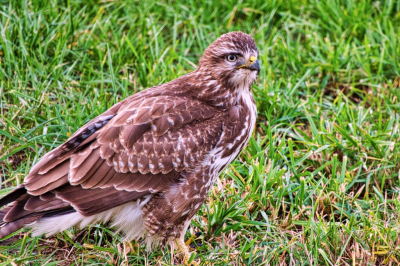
(319, 182)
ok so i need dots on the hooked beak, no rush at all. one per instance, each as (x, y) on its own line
(252, 65)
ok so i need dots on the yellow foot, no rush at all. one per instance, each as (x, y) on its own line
(191, 242)
(182, 248)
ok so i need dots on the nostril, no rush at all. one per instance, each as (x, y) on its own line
(252, 59)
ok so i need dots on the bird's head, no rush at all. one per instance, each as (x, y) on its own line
(232, 59)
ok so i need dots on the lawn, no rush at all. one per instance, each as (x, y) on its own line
(319, 183)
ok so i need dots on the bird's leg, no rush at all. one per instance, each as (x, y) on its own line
(191, 242)
(182, 248)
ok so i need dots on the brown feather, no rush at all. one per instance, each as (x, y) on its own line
(131, 133)
(81, 173)
(143, 116)
(93, 201)
(11, 227)
(161, 125)
(36, 190)
(45, 182)
(99, 178)
(78, 158)
(12, 196)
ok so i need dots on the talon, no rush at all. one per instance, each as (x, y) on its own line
(195, 245)
(183, 248)
(192, 243)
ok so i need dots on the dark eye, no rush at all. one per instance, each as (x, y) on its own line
(231, 57)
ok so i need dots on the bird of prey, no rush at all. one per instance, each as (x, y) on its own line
(146, 164)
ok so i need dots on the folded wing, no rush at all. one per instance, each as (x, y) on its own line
(137, 147)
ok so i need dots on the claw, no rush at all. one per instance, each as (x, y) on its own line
(183, 248)
(192, 243)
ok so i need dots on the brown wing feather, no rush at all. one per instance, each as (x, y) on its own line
(135, 148)
(94, 201)
(33, 205)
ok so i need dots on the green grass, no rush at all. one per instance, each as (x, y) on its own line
(319, 184)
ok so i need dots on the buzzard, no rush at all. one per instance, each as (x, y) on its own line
(147, 163)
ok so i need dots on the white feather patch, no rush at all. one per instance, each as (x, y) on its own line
(126, 218)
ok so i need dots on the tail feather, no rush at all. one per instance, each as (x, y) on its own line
(19, 213)
(3, 213)
(11, 227)
(13, 196)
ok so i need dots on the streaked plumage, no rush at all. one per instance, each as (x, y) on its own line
(148, 162)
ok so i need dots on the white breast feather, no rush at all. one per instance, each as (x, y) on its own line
(221, 163)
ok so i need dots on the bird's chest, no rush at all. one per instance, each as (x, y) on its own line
(236, 133)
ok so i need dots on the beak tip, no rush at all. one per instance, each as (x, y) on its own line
(255, 66)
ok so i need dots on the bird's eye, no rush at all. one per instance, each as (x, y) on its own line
(231, 57)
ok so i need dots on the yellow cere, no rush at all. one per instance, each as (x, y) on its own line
(252, 59)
